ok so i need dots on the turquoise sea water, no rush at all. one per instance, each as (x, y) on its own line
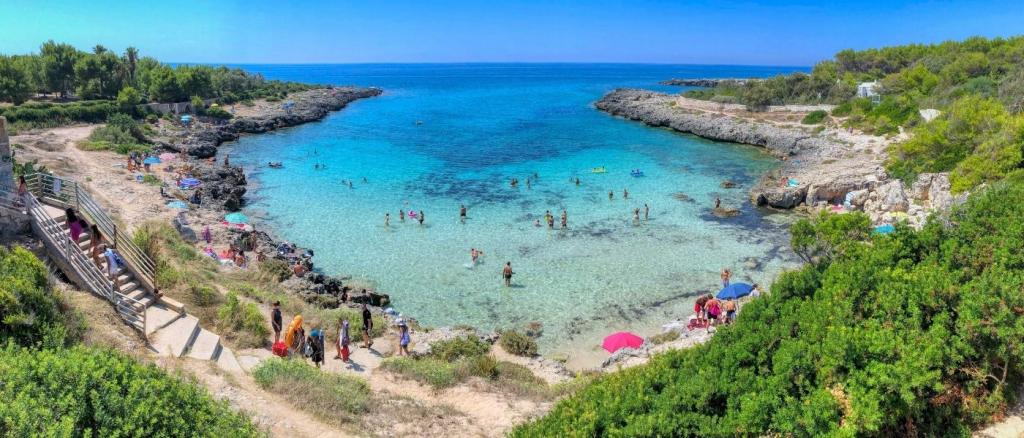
(442, 136)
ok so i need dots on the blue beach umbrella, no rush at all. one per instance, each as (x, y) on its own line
(734, 291)
(178, 205)
(236, 218)
(151, 160)
(190, 182)
(884, 229)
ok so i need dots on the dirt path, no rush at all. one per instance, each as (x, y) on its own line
(102, 172)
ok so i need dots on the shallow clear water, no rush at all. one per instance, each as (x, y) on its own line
(482, 125)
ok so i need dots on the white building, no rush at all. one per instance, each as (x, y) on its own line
(867, 89)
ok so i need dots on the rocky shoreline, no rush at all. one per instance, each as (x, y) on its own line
(703, 82)
(821, 167)
(225, 186)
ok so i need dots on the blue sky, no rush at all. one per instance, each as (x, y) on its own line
(325, 31)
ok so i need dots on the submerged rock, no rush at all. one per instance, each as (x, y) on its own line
(729, 184)
(725, 212)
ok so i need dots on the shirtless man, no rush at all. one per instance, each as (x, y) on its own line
(387, 219)
(474, 255)
(506, 273)
(565, 219)
(625, 194)
(647, 211)
(462, 213)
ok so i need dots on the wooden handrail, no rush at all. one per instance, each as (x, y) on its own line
(62, 247)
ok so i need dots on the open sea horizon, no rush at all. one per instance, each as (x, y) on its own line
(446, 135)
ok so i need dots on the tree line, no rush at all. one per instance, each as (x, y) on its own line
(62, 70)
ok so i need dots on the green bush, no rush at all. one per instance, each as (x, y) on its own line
(218, 113)
(276, 269)
(244, 321)
(814, 117)
(332, 397)
(29, 313)
(428, 370)
(48, 115)
(463, 346)
(92, 392)
(912, 333)
(517, 343)
(203, 295)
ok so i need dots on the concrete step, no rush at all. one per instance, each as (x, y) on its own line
(228, 362)
(175, 339)
(206, 346)
(159, 316)
(128, 286)
(172, 304)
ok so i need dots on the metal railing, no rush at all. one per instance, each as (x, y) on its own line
(67, 193)
(60, 246)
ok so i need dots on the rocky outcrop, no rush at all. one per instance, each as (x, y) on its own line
(658, 109)
(309, 106)
(703, 82)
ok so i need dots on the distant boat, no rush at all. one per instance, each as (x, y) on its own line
(275, 164)
(637, 173)
(600, 169)
(419, 122)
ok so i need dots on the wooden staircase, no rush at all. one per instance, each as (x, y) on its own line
(161, 321)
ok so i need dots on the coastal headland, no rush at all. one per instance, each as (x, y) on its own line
(820, 167)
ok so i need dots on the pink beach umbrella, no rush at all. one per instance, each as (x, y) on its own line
(617, 341)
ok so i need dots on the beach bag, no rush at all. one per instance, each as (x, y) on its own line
(280, 349)
(308, 351)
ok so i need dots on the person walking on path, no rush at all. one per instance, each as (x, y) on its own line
(507, 274)
(343, 341)
(367, 327)
(275, 321)
(95, 241)
(316, 342)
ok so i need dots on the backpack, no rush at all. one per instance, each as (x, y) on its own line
(308, 351)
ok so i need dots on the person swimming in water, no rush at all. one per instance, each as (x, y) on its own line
(474, 254)
(611, 195)
(462, 213)
(550, 219)
(528, 183)
(387, 219)
(565, 219)
(718, 202)
(420, 217)
(625, 194)
(515, 182)
(401, 215)
(365, 181)
(577, 181)
(537, 223)
(647, 211)
(636, 215)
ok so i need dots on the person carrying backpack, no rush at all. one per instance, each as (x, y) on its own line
(315, 346)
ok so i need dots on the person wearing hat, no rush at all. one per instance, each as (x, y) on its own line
(403, 336)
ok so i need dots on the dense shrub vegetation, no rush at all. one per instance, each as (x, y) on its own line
(977, 84)
(50, 389)
(94, 392)
(913, 333)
